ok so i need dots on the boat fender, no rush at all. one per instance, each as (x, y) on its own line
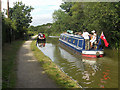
(97, 54)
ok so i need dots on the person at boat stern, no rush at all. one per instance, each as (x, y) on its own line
(93, 39)
(86, 37)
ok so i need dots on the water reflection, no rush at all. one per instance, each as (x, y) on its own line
(89, 72)
(41, 43)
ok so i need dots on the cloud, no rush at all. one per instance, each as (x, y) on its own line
(40, 21)
(43, 9)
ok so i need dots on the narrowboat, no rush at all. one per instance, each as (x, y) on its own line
(77, 43)
(41, 37)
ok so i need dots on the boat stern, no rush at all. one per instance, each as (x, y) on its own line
(93, 53)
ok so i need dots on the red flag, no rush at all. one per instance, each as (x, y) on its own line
(44, 35)
(104, 39)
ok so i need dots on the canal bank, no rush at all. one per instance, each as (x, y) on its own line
(35, 70)
(30, 74)
(9, 58)
(52, 70)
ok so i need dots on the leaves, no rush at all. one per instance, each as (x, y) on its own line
(16, 25)
(21, 14)
(100, 16)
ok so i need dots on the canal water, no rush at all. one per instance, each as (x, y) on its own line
(88, 72)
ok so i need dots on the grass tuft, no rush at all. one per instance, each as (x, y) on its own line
(9, 56)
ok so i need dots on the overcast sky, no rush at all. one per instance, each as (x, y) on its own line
(42, 12)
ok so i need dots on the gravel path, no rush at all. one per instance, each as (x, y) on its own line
(29, 71)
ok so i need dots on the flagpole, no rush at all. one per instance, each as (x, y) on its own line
(99, 38)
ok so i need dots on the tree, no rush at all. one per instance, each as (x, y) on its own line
(99, 16)
(77, 16)
(104, 17)
(61, 21)
(21, 15)
(67, 6)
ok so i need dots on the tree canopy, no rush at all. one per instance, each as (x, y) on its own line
(99, 16)
(17, 23)
(20, 13)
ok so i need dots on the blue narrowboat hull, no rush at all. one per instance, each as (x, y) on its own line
(78, 44)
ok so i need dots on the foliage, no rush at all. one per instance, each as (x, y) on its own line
(77, 17)
(7, 25)
(99, 16)
(45, 28)
(67, 6)
(9, 55)
(16, 26)
(61, 20)
(21, 15)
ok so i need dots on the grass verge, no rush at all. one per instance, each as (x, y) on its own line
(9, 57)
(52, 70)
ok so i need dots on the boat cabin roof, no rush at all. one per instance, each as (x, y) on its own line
(72, 36)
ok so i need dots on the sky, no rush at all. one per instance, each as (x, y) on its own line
(43, 9)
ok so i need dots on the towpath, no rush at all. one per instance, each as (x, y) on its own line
(29, 71)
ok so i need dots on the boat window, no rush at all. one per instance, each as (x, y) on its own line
(73, 41)
(80, 43)
(69, 40)
(66, 38)
(63, 38)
